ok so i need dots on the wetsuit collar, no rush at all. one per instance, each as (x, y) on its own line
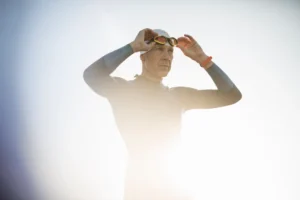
(147, 81)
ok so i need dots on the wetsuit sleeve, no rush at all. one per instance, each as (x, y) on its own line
(98, 75)
(225, 94)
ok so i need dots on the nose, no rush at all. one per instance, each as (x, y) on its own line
(166, 55)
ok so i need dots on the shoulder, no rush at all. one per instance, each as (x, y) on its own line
(119, 79)
(181, 89)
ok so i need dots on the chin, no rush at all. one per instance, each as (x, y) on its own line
(163, 74)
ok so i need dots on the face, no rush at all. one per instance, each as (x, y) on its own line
(158, 60)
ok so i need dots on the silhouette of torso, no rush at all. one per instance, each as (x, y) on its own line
(148, 117)
(147, 114)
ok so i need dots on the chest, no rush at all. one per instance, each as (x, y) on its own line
(148, 102)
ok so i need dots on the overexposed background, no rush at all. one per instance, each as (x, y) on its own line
(246, 151)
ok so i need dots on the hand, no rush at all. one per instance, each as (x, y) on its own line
(189, 46)
(139, 43)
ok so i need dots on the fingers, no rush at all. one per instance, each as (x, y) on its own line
(148, 34)
(151, 46)
(190, 37)
(186, 41)
(183, 42)
(187, 38)
(140, 42)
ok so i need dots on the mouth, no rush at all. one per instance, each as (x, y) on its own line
(164, 67)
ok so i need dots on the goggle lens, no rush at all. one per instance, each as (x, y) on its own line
(173, 41)
(163, 40)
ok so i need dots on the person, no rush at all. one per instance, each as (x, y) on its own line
(148, 113)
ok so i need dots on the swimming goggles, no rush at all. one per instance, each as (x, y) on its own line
(163, 40)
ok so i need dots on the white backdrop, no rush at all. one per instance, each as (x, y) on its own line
(245, 151)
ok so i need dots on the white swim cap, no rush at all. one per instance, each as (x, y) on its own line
(159, 32)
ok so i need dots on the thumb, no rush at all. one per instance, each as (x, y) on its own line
(150, 46)
(180, 46)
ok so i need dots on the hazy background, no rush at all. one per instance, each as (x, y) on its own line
(246, 151)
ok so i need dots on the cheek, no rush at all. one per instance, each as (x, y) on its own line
(151, 56)
(154, 58)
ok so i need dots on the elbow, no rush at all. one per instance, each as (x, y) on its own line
(238, 97)
(94, 73)
(88, 76)
(235, 96)
(91, 81)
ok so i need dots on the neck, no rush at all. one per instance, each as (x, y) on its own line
(148, 75)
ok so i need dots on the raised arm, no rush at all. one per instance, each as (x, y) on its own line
(97, 75)
(226, 93)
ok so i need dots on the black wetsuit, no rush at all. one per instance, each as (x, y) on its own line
(148, 116)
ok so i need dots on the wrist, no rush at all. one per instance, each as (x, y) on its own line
(205, 61)
(208, 65)
(133, 46)
(201, 58)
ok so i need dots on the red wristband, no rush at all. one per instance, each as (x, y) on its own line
(205, 62)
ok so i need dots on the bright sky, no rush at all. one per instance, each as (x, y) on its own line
(246, 151)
